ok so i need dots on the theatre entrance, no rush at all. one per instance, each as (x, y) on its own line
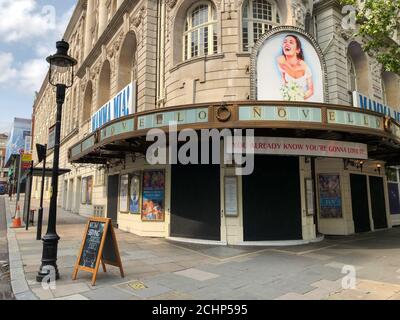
(378, 206)
(359, 203)
(272, 200)
(195, 202)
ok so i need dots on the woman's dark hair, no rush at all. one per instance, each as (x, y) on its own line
(300, 55)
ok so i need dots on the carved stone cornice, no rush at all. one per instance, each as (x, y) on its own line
(322, 5)
(138, 18)
(73, 22)
(115, 23)
(171, 3)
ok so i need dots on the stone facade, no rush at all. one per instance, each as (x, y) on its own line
(117, 42)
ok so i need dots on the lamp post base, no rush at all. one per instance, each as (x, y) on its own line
(49, 270)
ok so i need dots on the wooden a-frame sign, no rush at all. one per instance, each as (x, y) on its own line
(99, 245)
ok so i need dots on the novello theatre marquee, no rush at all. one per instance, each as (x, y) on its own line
(317, 166)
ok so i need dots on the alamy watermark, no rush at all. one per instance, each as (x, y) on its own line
(193, 147)
(349, 281)
(49, 281)
(349, 22)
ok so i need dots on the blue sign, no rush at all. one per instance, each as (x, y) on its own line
(123, 104)
(20, 130)
(365, 103)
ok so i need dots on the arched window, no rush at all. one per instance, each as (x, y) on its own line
(358, 67)
(390, 88)
(352, 74)
(104, 92)
(87, 102)
(127, 71)
(200, 35)
(259, 16)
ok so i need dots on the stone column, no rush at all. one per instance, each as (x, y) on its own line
(102, 17)
(88, 27)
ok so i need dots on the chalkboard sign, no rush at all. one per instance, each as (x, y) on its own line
(91, 247)
(99, 245)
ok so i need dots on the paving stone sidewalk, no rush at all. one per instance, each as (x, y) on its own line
(5, 285)
(160, 269)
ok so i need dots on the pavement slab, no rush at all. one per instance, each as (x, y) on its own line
(165, 270)
(107, 293)
(197, 274)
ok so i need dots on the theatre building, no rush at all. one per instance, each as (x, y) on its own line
(322, 116)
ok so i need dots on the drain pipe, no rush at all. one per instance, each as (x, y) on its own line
(314, 179)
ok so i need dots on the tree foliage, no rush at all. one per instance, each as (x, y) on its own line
(378, 22)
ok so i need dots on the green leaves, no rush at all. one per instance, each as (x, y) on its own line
(379, 24)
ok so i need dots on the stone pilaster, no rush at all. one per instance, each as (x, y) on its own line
(88, 27)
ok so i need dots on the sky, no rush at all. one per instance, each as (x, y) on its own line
(29, 30)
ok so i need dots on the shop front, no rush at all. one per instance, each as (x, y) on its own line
(314, 167)
(325, 176)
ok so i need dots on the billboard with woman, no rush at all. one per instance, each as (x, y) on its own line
(289, 68)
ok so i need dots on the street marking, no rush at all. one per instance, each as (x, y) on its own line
(137, 285)
(221, 259)
(318, 249)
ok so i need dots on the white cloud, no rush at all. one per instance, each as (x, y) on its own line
(7, 72)
(31, 75)
(24, 19)
(26, 77)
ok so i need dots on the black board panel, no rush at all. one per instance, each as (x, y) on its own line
(359, 203)
(272, 200)
(378, 202)
(195, 201)
(92, 243)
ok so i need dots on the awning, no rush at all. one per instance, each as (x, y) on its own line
(127, 135)
(37, 172)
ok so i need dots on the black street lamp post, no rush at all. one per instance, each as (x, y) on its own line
(61, 76)
(42, 155)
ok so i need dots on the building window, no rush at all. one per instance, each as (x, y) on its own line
(99, 177)
(390, 92)
(352, 78)
(352, 74)
(259, 16)
(200, 36)
(87, 190)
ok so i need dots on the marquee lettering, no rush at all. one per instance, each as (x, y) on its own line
(350, 118)
(202, 115)
(159, 119)
(179, 117)
(282, 113)
(256, 112)
(306, 113)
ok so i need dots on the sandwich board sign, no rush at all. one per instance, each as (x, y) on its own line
(99, 245)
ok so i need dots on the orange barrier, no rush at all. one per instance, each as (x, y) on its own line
(16, 221)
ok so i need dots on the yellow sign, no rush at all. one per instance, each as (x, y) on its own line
(26, 157)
